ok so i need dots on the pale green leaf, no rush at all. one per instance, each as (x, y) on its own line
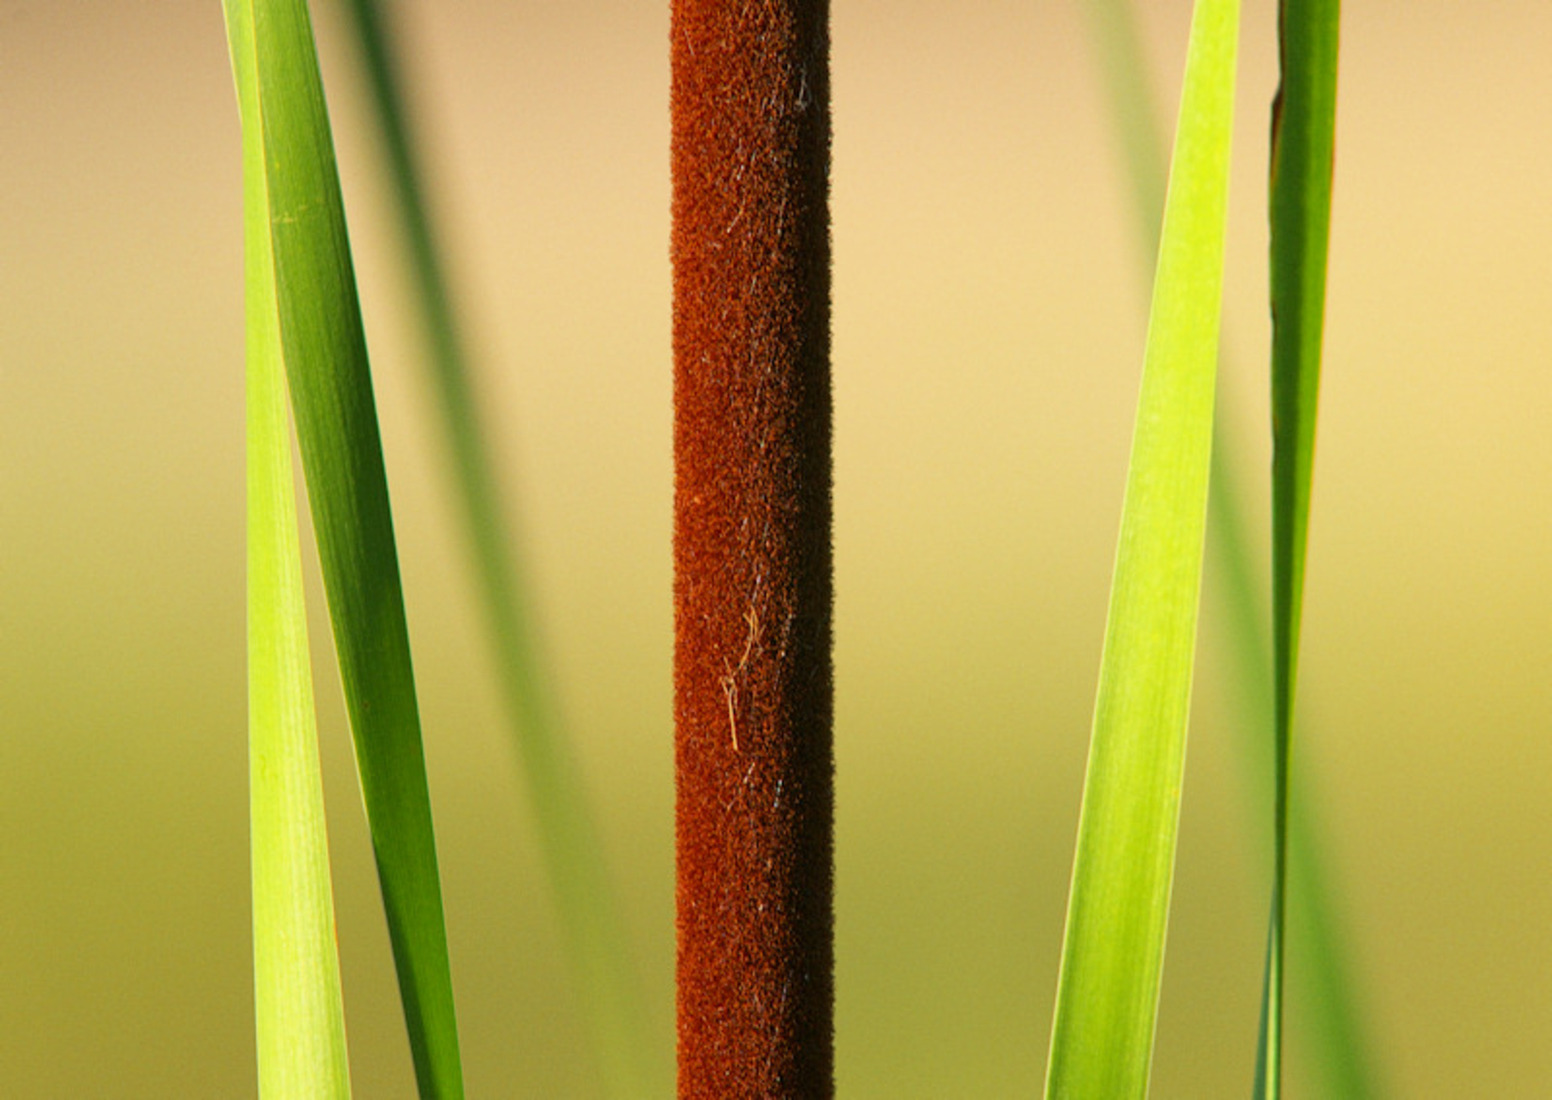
(1112, 959)
(299, 1014)
(324, 351)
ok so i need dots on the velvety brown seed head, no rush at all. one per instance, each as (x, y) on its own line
(752, 580)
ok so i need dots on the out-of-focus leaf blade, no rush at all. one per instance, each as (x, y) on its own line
(299, 1012)
(1303, 139)
(324, 352)
(592, 927)
(1112, 960)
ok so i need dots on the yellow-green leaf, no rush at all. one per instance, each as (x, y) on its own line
(1112, 959)
(298, 1009)
(324, 352)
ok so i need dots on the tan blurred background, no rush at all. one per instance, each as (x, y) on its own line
(987, 342)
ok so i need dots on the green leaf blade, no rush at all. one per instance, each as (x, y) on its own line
(1303, 143)
(298, 1005)
(1112, 959)
(1302, 157)
(324, 352)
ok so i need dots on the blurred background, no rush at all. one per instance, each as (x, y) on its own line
(988, 333)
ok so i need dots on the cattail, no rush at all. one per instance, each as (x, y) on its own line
(752, 559)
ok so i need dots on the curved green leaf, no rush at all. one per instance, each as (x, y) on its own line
(298, 1009)
(324, 352)
(1112, 960)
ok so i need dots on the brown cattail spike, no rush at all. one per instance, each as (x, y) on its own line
(752, 579)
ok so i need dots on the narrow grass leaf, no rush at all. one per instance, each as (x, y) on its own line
(1112, 960)
(298, 1008)
(1343, 1054)
(1303, 137)
(324, 352)
(593, 929)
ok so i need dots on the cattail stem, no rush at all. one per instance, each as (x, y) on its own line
(752, 580)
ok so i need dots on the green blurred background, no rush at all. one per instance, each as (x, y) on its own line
(988, 332)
